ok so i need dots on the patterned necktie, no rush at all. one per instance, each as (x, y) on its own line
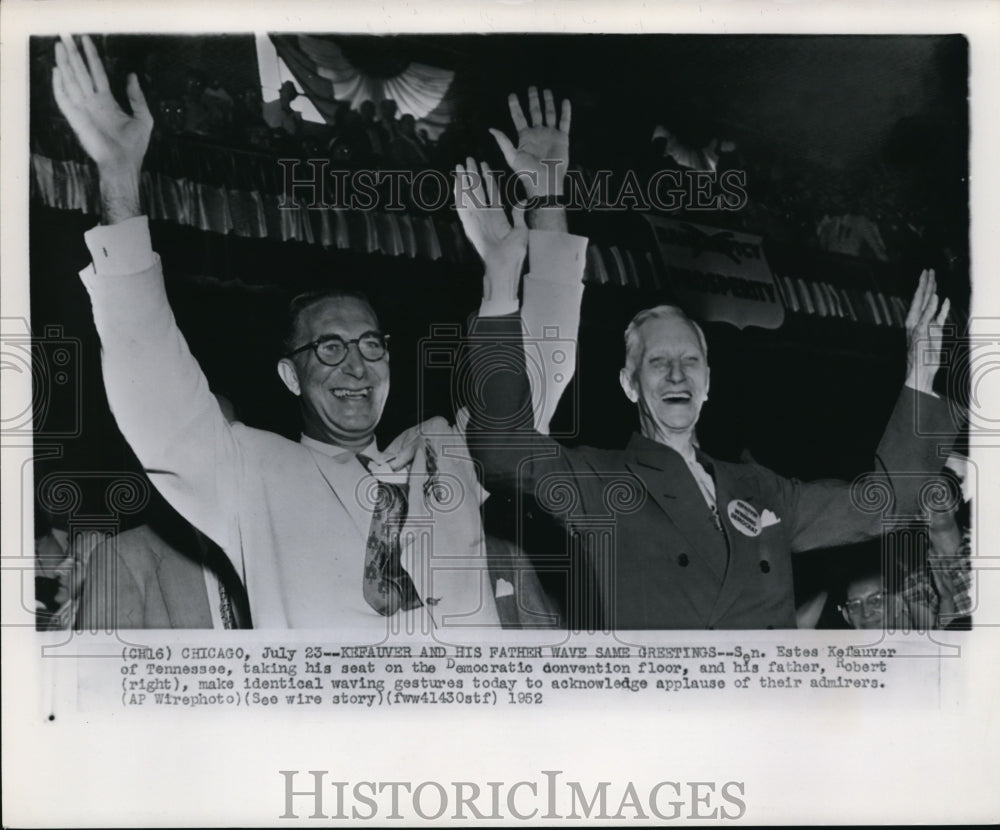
(226, 608)
(386, 586)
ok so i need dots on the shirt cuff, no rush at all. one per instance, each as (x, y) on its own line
(931, 392)
(555, 256)
(498, 308)
(122, 248)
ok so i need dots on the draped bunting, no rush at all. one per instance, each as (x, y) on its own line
(809, 283)
(327, 76)
(71, 185)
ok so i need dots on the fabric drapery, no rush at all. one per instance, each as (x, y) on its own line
(327, 76)
(70, 185)
(239, 200)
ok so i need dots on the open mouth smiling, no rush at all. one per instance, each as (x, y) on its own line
(343, 394)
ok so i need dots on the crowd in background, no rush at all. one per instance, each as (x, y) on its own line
(872, 213)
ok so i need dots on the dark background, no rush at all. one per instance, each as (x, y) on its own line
(809, 400)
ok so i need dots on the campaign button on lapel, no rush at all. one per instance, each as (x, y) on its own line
(744, 517)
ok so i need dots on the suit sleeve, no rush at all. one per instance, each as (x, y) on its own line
(550, 310)
(832, 513)
(159, 395)
(504, 399)
(514, 456)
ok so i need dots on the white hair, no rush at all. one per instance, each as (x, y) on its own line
(660, 312)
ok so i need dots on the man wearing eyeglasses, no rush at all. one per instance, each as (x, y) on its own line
(868, 605)
(336, 361)
(326, 532)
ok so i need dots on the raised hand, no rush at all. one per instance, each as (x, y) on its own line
(501, 245)
(115, 140)
(541, 157)
(923, 334)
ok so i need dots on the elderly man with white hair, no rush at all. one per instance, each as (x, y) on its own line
(671, 537)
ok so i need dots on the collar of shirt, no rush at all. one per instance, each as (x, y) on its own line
(702, 477)
(377, 466)
(704, 480)
(342, 454)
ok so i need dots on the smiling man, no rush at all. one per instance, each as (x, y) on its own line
(666, 375)
(671, 537)
(336, 361)
(326, 532)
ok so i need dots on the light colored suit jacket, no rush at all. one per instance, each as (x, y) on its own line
(293, 520)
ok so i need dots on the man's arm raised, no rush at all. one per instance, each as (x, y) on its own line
(834, 513)
(492, 375)
(924, 322)
(115, 140)
(157, 392)
(541, 157)
(553, 288)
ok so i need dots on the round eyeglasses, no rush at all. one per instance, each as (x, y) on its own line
(331, 349)
(873, 603)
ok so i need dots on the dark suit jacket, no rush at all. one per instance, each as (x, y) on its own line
(647, 534)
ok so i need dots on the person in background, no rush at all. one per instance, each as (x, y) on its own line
(219, 104)
(53, 567)
(162, 574)
(376, 135)
(197, 115)
(387, 111)
(869, 604)
(406, 148)
(61, 561)
(279, 115)
(936, 587)
(923, 585)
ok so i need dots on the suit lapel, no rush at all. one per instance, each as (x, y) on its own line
(671, 485)
(744, 550)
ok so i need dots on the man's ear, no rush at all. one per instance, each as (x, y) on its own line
(708, 381)
(628, 387)
(289, 375)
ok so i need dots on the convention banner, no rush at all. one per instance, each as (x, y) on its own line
(718, 275)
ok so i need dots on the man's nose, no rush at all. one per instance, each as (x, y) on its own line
(354, 363)
(871, 615)
(675, 371)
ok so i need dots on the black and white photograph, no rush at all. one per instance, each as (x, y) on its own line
(817, 263)
(612, 376)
